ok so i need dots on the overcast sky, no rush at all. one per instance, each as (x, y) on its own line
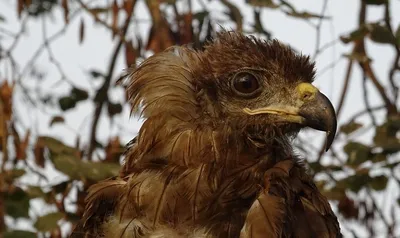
(94, 53)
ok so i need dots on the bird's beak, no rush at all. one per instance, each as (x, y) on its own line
(312, 109)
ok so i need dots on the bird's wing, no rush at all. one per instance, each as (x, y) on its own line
(290, 206)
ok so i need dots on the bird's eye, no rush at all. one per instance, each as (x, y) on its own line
(245, 84)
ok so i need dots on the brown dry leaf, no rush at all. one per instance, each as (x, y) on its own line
(128, 6)
(81, 31)
(113, 150)
(6, 92)
(22, 146)
(186, 29)
(160, 36)
(20, 7)
(39, 152)
(115, 11)
(64, 5)
(130, 54)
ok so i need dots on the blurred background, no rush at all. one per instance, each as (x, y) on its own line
(65, 118)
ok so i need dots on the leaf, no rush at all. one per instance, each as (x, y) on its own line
(96, 74)
(20, 7)
(19, 234)
(48, 222)
(128, 6)
(72, 217)
(15, 173)
(97, 171)
(381, 34)
(348, 208)
(114, 109)
(386, 136)
(234, 14)
(397, 35)
(17, 203)
(375, 2)
(57, 147)
(355, 35)
(130, 54)
(114, 24)
(35, 192)
(114, 150)
(350, 127)
(81, 31)
(6, 93)
(378, 183)
(66, 103)
(97, 10)
(39, 153)
(68, 164)
(378, 158)
(262, 3)
(2, 18)
(362, 58)
(355, 182)
(64, 5)
(357, 153)
(79, 94)
(56, 119)
(61, 187)
(305, 15)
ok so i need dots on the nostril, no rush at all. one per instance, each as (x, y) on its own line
(307, 95)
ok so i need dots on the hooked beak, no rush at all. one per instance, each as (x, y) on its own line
(313, 110)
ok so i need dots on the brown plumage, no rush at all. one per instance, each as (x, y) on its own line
(214, 156)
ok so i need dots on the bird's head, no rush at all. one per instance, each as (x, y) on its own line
(251, 85)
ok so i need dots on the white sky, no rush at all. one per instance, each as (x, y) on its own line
(94, 53)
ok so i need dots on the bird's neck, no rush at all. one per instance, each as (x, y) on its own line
(190, 146)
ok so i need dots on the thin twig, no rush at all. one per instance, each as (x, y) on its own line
(102, 93)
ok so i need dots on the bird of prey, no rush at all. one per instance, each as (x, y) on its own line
(214, 156)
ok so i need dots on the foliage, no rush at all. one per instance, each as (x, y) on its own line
(350, 175)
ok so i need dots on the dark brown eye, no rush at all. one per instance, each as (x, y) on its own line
(245, 84)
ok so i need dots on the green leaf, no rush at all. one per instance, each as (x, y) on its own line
(66, 103)
(397, 35)
(60, 188)
(263, 3)
(19, 234)
(68, 164)
(385, 136)
(14, 174)
(350, 127)
(48, 222)
(378, 183)
(98, 171)
(381, 34)
(79, 94)
(357, 153)
(375, 2)
(72, 217)
(35, 192)
(17, 204)
(355, 182)
(362, 58)
(355, 35)
(305, 15)
(57, 147)
(376, 158)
